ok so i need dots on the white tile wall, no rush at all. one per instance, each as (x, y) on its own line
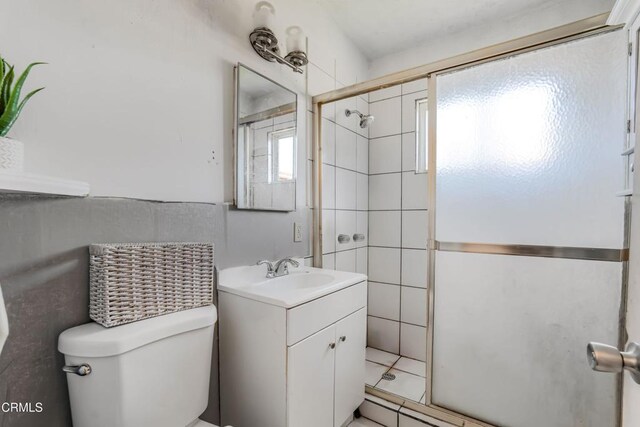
(363, 154)
(414, 306)
(413, 341)
(345, 224)
(319, 80)
(414, 190)
(385, 191)
(414, 268)
(352, 121)
(362, 227)
(383, 334)
(362, 260)
(384, 301)
(398, 216)
(328, 187)
(329, 261)
(345, 189)
(384, 265)
(387, 117)
(414, 229)
(346, 261)
(385, 154)
(328, 142)
(328, 231)
(409, 151)
(385, 228)
(362, 190)
(346, 148)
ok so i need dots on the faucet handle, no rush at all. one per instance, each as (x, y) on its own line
(270, 269)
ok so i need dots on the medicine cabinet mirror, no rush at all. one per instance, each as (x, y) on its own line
(265, 143)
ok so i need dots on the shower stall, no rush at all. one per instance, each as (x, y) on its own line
(487, 201)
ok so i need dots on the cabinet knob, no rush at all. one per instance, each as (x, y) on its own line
(332, 345)
(343, 338)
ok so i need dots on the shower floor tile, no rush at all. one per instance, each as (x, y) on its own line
(411, 366)
(374, 372)
(381, 357)
(406, 385)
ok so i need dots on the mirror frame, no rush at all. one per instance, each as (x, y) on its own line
(236, 147)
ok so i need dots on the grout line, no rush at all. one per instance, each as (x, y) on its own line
(398, 321)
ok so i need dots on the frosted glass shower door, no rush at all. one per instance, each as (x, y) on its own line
(528, 157)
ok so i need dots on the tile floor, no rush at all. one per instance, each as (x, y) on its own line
(409, 374)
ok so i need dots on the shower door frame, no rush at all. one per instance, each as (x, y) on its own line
(559, 35)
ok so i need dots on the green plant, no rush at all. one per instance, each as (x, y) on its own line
(10, 104)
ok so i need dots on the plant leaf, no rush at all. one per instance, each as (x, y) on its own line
(14, 98)
(10, 119)
(5, 89)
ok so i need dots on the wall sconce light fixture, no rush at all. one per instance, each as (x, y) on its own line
(265, 42)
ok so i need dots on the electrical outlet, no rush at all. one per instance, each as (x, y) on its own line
(297, 232)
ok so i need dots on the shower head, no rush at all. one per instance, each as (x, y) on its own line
(365, 119)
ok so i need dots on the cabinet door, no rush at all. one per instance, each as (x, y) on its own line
(350, 364)
(310, 380)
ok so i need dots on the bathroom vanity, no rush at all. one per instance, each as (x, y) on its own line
(292, 348)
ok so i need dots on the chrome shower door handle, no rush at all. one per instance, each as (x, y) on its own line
(606, 358)
(358, 237)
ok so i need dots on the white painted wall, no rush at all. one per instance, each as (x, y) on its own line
(551, 14)
(139, 95)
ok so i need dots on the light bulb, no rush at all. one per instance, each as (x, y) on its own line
(263, 15)
(295, 39)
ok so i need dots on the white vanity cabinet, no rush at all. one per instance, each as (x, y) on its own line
(326, 374)
(299, 366)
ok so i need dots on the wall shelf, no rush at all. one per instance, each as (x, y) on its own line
(25, 183)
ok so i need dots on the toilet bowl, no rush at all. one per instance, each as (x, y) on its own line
(153, 372)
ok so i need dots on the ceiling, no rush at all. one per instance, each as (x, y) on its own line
(381, 27)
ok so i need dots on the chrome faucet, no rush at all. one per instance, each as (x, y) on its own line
(280, 268)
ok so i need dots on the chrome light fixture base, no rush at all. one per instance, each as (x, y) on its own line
(297, 58)
(265, 43)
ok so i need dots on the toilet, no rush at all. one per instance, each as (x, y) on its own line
(152, 373)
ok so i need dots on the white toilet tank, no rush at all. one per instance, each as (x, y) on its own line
(152, 373)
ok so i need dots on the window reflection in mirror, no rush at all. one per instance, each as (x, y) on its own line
(266, 143)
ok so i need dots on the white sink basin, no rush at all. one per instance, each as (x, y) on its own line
(301, 285)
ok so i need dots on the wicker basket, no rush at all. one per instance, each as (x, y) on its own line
(134, 281)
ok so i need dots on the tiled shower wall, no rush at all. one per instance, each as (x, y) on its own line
(345, 185)
(397, 225)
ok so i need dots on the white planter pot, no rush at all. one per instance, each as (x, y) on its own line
(11, 155)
